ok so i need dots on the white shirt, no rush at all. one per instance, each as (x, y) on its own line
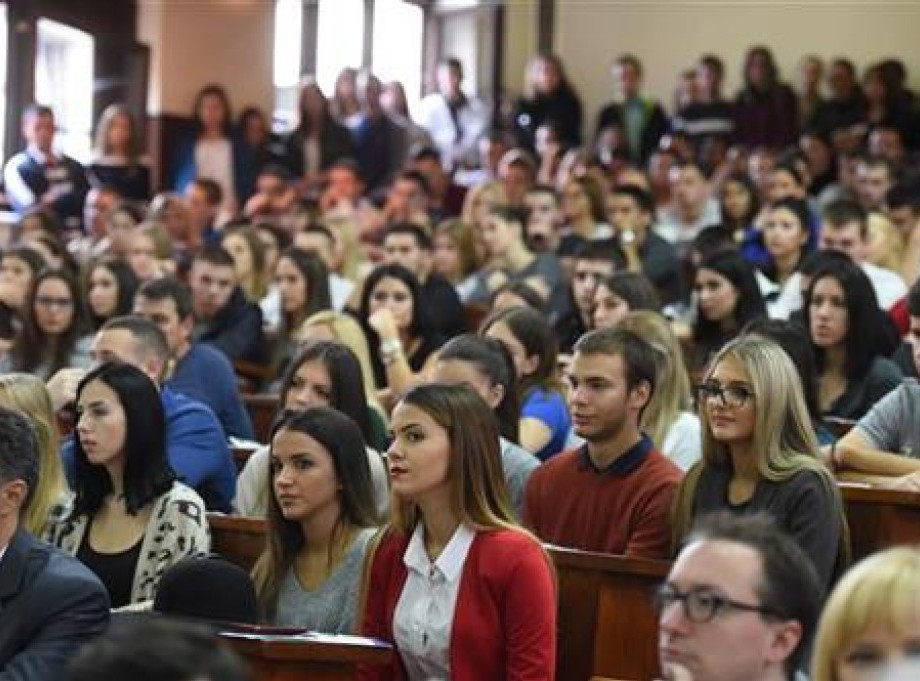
(888, 284)
(340, 289)
(214, 160)
(424, 615)
(678, 233)
(683, 441)
(434, 116)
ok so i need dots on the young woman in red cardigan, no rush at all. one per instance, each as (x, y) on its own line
(461, 591)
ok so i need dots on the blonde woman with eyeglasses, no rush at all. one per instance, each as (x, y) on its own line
(759, 454)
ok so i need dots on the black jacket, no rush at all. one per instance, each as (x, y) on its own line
(237, 331)
(50, 605)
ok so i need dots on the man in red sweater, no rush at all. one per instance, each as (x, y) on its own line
(613, 494)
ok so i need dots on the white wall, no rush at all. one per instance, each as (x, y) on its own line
(669, 36)
(193, 43)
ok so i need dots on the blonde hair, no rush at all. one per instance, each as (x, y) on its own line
(347, 331)
(886, 243)
(491, 191)
(672, 384)
(27, 394)
(878, 591)
(783, 442)
(462, 237)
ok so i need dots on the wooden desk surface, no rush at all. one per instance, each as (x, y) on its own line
(273, 657)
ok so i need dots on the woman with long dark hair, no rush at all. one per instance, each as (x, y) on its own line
(319, 140)
(131, 519)
(843, 319)
(398, 329)
(323, 374)
(531, 342)
(485, 365)
(766, 109)
(728, 297)
(215, 151)
(321, 519)
(54, 329)
(110, 287)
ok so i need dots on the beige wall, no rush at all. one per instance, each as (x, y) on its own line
(194, 42)
(670, 35)
(520, 41)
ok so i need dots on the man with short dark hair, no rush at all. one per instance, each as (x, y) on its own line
(203, 199)
(157, 649)
(613, 494)
(409, 245)
(40, 176)
(275, 193)
(50, 603)
(455, 120)
(842, 116)
(321, 241)
(198, 370)
(845, 227)
(741, 603)
(594, 261)
(875, 175)
(631, 213)
(709, 121)
(408, 199)
(223, 316)
(446, 198)
(511, 260)
(641, 120)
(692, 206)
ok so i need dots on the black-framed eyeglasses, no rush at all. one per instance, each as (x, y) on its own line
(731, 396)
(702, 604)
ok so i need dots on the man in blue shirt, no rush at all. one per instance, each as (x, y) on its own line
(199, 371)
(195, 442)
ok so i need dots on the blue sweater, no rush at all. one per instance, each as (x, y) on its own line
(205, 374)
(196, 447)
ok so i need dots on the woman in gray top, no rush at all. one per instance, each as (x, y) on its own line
(321, 518)
(485, 365)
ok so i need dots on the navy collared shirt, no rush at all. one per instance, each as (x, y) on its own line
(624, 464)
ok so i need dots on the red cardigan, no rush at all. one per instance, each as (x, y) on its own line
(505, 623)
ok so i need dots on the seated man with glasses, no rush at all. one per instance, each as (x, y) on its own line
(741, 603)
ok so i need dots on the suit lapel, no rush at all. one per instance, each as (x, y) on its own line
(13, 565)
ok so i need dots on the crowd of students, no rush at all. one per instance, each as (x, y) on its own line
(484, 333)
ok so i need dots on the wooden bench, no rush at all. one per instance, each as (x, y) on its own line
(880, 518)
(262, 410)
(286, 657)
(607, 622)
(239, 540)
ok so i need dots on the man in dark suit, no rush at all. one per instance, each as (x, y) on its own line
(50, 603)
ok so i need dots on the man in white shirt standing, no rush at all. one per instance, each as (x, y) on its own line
(51, 603)
(845, 227)
(455, 121)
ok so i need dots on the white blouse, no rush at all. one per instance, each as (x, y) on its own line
(424, 615)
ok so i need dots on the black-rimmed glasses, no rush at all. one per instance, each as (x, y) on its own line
(702, 604)
(731, 396)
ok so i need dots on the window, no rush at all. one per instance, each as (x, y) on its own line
(398, 29)
(64, 81)
(339, 40)
(288, 40)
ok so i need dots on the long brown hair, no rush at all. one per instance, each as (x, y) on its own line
(478, 492)
(340, 436)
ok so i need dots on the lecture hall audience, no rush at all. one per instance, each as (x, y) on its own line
(463, 316)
